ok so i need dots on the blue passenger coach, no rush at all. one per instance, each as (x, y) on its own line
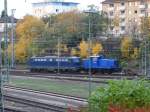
(51, 63)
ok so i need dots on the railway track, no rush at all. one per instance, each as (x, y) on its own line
(12, 109)
(71, 76)
(46, 93)
(34, 103)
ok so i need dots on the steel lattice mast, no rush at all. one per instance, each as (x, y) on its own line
(4, 68)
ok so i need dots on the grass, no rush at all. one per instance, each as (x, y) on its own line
(80, 89)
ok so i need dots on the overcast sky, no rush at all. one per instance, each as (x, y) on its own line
(23, 7)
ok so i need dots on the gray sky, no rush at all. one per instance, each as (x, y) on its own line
(23, 8)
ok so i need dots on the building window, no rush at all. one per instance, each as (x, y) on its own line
(111, 5)
(111, 28)
(135, 11)
(146, 14)
(130, 3)
(122, 20)
(146, 6)
(111, 13)
(122, 28)
(122, 4)
(122, 12)
(142, 2)
(142, 11)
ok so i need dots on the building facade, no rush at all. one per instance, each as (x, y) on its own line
(125, 15)
(9, 24)
(46, 7)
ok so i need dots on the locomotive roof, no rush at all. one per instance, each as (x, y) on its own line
(55, 57)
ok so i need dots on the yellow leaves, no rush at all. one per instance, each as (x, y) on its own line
(126, 47)
(28, 28)
(135, 53)
(21, 49)
(62, 47)
(97, 48)
(83, 49)
(74, 52)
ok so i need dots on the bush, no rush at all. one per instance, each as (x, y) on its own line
(124, 94)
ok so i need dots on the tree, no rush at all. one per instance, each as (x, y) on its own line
(135, 54)
(27, 30)
(83, 49)
(74, 52)
(98, 21)
(126, 47)
(21, 52)
(97, 48)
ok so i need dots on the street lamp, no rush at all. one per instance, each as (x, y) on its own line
(90, 11)
(12, 38)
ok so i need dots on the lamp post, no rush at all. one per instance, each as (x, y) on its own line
(91, 11)
(12, 38)
(58, 50)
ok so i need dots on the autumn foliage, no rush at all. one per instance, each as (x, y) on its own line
(97, 48)
(84, 49)
(28, 28)
(126, 47)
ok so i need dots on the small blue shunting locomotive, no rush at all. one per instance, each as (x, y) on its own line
(52, 63)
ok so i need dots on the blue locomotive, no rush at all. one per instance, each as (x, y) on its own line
(53, 63)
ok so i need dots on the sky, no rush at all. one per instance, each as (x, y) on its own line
(23, 8)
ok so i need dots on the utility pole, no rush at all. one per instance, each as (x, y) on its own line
(12, 38)
(90, 11)
(146, 16)
(1, 86)
(58, 51)
(90, 48)
(145, 71)
(6, 65)
(58, 55)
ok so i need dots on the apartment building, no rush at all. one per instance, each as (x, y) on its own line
(125, 15)
(45, 7)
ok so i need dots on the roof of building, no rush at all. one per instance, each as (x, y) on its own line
(75, 3)
(2, 20)
(108, 1)
(115, 1)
